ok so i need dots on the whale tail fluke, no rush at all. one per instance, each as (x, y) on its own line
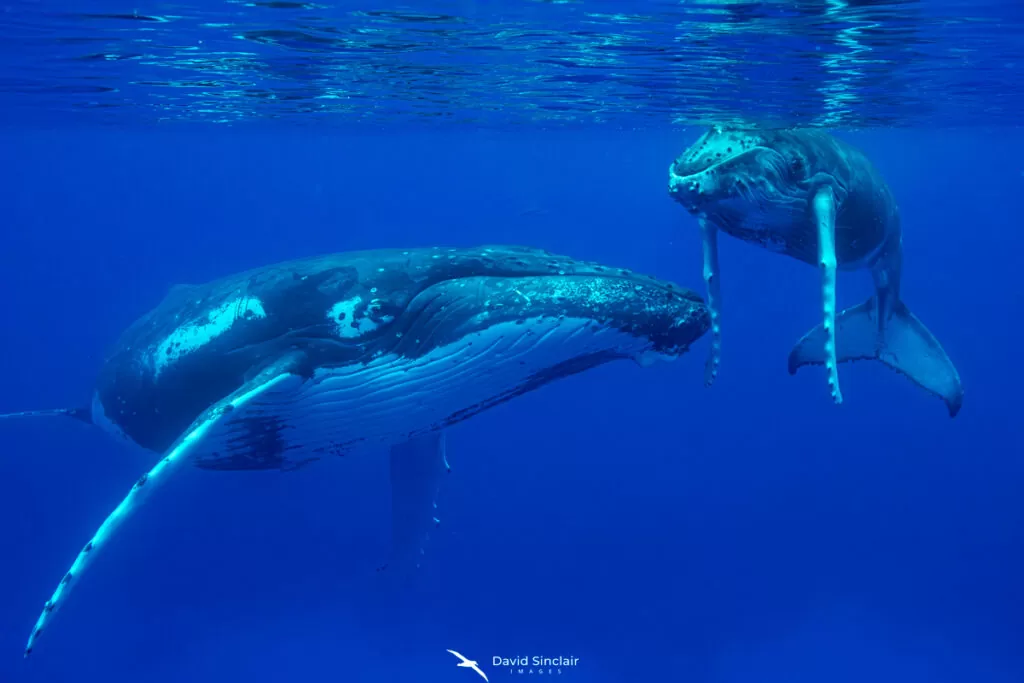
(82, 414)
(902, 342)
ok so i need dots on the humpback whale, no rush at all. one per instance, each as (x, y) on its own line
(815, 198)
(283, 365)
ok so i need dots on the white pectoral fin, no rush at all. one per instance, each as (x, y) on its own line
(418, 467)
(709, 241)
(191, 440)
(825, 216)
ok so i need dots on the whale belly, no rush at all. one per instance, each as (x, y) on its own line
(394, 398)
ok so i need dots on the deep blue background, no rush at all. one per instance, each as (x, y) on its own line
(656, 529)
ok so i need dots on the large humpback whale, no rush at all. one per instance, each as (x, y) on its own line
(283, 365)
(811, 196)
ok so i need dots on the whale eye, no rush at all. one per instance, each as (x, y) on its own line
(381, 311)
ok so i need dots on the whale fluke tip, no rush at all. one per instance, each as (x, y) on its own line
(906, 346)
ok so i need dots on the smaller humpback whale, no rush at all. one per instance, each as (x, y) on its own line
(280, 366)
(811, 196)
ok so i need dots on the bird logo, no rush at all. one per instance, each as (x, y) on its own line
(469, 664)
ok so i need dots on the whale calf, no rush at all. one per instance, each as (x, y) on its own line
(280, 366)
(811, 196)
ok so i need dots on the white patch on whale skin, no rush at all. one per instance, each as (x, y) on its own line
(343, 314)
(386, 400)
(195, 335)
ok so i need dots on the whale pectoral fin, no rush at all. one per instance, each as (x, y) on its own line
(80, 414)
(709, 240)
(905, 345)
(417, 469)
(825, 216)
(194, 438)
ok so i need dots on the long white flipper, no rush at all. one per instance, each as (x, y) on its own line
(173, 460)
(825, 214)
(709, 239)
(81, 414)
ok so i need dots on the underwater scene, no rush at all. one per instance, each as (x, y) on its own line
(596, 341)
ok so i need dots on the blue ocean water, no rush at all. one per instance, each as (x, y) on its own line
(629, 517)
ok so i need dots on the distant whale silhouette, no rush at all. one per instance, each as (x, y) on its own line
(807, 194)
(280, 366)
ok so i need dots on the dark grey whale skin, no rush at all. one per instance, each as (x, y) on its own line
(788, 166)
(814, 197)
(215, 374)
(399, 291)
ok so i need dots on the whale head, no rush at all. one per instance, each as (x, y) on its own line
(644, 315)
(744, 180)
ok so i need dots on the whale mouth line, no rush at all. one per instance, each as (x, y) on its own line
(717, 164)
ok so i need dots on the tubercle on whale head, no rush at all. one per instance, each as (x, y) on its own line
(653, 317)
(716, 146)
(736, 164)
(699, 174)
